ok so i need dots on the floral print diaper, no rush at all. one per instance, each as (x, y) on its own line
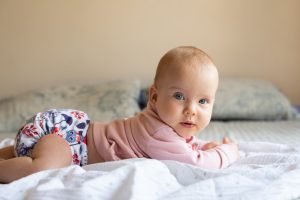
(72, 125)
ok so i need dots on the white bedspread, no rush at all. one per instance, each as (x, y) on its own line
(265, 171)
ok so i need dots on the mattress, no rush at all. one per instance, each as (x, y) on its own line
(284, 132)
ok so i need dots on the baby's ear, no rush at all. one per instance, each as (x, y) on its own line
(152, 94)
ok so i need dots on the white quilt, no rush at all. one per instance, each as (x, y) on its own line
(265, 171)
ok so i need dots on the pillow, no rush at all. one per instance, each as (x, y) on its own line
(102, 102)
(250, 99)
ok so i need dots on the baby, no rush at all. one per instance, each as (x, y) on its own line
(180, 105)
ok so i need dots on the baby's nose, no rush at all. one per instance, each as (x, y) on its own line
(190, 109)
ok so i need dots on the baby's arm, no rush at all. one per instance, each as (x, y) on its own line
(169, 146)
(213, 154)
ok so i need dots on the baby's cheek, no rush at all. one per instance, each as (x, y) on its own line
(205, 116)
(172, 109)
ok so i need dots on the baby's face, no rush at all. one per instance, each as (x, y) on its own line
(184, 98)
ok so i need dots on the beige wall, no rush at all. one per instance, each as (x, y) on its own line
(49, 42)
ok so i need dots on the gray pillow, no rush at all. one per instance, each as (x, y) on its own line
(250, 99)
(102, 102)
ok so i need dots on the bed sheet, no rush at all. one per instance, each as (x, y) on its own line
(264, 171)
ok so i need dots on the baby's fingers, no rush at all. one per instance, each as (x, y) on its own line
(226, 140)
(209, 145)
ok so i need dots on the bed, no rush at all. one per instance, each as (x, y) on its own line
(252, 112)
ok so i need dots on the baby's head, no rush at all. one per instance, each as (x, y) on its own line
(184, 90)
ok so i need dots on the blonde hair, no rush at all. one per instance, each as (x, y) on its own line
(181, 56)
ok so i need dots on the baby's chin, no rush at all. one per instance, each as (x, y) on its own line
(186, 135)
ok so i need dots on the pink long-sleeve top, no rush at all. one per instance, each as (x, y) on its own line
(145, 135)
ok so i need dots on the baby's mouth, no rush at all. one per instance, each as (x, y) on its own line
(187, 124)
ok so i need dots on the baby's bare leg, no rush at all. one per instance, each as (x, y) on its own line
(50, 152)
(7, 153)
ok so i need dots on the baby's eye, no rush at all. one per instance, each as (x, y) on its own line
(203, 101)
(179, 96)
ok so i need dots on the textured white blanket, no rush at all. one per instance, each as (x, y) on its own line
(265, 171)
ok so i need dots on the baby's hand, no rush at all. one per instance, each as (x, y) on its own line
(226, 140)
(209, 145)
(214, 144)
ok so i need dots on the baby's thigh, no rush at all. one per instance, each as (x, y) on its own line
(51, 151)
